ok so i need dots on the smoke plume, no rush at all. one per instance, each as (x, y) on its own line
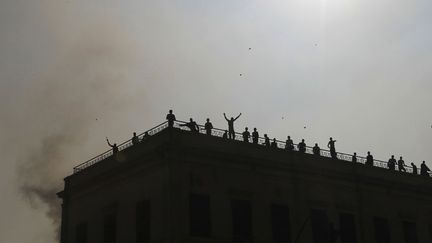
(60, 107)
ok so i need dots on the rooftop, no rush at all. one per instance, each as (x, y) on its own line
(238, 137)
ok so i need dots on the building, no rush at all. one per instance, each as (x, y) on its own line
(182, 187)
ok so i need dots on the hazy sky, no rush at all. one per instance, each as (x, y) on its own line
(73, 72)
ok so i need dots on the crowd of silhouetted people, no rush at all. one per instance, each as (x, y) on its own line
(289, 144)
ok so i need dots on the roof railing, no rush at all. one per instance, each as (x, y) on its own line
(238, 137)
(121, 146)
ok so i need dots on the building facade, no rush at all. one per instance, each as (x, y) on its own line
(177, 186)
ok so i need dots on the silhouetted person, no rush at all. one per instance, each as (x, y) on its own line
(274, 144)
(401, 165)
(171, 118)
(391, 163)
(266, 141)
(135, 139)
(231, 133)
(316, 150)
(354, 158)
(146, 135)
(225, 135)
(191, 125)
(255, 136)
(113, 146)
(246, 135)
(424, 170)
(369, 159)
(414, 168)
(208, 126)
(302, 146)
(331, 146)
(289, 144)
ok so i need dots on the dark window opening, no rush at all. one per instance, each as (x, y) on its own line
(143, 219)
(347, 228)
(320, 226)
(410, 232)
(110, 227)
(280, 224)
(382, 231)
(200, 220)
(242, 221)
(81, 233)
(430, 232)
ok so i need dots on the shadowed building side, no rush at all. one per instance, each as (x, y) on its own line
(178, 186)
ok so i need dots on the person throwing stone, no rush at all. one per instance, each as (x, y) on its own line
(331, 146)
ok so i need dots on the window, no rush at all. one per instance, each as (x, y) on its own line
(110, 227)
(430, 231)
(410, 232)
(143, 219)
(382, 231)
(81, 233)
(199, 218)
(241, 220)
(280, 224)
(320, 226)
(347, 228)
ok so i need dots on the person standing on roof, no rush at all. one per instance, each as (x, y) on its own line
(135, 139)
(255, 136)
(302, 146)
(289, 144)
(231, 132)
(208, 126)
(113, 146)
(146, 135)
(331, 145)
(266, 141)
(401, 165)
(369, 159)
(391, 163)
(246, 135)
(316, 150)
(274, 144)
(191, 125)
(415, 172)
(170, 118)
(424, 170)
(354, 158)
